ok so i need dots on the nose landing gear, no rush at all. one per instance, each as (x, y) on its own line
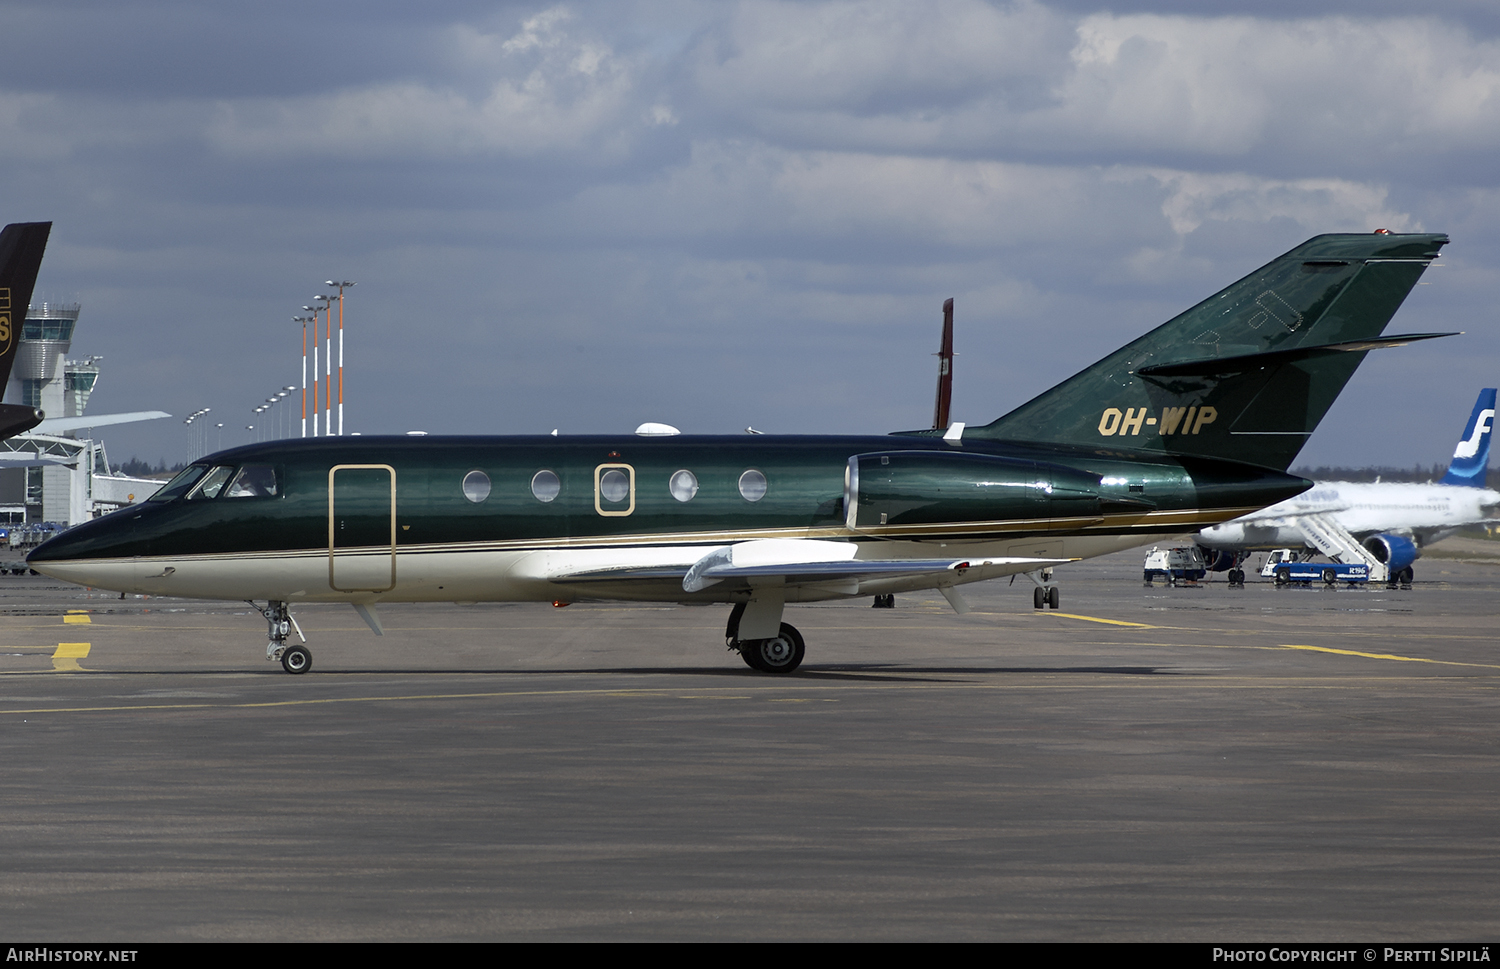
(279, 625)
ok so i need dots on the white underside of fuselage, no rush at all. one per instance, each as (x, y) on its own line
(526, 575)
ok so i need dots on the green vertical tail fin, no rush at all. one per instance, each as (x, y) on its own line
(1247, 374)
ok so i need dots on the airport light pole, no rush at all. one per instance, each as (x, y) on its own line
(304, 320)
(193, 450)
(314, 311)
(327, 363)
(341, 286)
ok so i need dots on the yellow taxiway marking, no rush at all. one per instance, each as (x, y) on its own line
(65, 658)
(77, 616)
(1389, 656)
(1112, 622)
(1312, 649)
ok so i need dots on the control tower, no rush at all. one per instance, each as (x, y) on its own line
(39, 376)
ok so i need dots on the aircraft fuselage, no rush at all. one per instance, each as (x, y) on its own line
(1427, 512)
(544, 519)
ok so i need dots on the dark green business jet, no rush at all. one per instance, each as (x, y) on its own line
(1193, 424)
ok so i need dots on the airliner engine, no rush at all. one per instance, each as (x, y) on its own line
(1396, 552)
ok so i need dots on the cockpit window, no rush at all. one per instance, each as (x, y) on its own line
(212, 484)
(185, 479)
(253, 481)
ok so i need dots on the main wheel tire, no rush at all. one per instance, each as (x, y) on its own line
(1054, 598)
(1038, 598)
(779, 654)
(296, 659)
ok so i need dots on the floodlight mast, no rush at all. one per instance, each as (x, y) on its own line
(345, 284)
(327, 364)
(314, 311)
(303, 321)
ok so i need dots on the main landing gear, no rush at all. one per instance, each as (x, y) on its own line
(1046, 594)
(296, 658)
(781, 653)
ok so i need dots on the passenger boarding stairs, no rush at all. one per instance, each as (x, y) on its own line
(1333, 540)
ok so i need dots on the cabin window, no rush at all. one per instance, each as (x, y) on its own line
(212, 483)
(614, 485)
(684, 485)
(185, 479)
(477, 486)
(545, 486)
(253, 481)
(752, 485)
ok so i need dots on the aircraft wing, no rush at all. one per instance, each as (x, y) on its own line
(29, 459)
(61, 425)
(794, 562)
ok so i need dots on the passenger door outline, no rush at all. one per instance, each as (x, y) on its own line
(350, 563)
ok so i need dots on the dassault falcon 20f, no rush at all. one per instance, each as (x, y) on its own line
(1193, 424)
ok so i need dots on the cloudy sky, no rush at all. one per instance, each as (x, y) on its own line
(716, 214)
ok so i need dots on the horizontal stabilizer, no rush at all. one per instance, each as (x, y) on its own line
(1275, 358)
(17, 419)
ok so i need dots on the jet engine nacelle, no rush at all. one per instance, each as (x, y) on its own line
(936, 487)
(1396, 552)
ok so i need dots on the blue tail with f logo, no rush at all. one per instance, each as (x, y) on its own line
(1471, 459)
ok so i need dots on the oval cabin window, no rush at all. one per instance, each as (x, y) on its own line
(545, 486)
(684, 485)
(476, 486)
(752, 485)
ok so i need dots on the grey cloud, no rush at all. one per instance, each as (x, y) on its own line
(586, 215)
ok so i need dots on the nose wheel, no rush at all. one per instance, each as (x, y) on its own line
(296, 659)
(279, 625)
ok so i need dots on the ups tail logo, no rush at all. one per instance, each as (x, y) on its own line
(1173, 420)
(4, 318)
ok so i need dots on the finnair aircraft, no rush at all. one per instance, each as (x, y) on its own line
(1391, 520)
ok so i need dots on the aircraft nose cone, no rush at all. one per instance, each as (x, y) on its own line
(88, 554)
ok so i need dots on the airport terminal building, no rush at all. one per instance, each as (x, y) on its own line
(61, 477)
